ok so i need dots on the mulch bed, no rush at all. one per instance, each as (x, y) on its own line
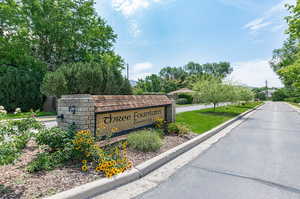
(16, 182)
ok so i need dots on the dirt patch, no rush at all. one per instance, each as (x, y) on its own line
(169, 142)
(16, 182)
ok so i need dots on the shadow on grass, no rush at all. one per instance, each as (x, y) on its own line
(244, 106)
(223, 114)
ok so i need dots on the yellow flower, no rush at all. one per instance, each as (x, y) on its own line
(114, 130)
(84, 161)
(98, 169)
(84, 168)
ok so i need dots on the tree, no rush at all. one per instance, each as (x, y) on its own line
(291, 74)
(126, 88)
(221, 69)
(151, 83)
(280, 94)
(244, 94)
(194, 78)
(193, 68)
(260, 93)
(212, 91)
(20, 87)
(285, 56)
(97, 78)
(174, 78)
(21, 73)
(173, 73)
(286, 61)
(171, 85)
(41, 35)
(57, 31)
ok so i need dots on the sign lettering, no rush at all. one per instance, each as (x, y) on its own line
(114, 122)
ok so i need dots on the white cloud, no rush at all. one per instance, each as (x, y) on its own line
(142, 66)
(273, 16)
(130, 7)
(255, 73)
(239, 3)
(138, 76)
(257, 24)
(280, 7)
(140, 70)
(134, 29)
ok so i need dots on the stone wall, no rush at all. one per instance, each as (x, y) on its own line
(82, 118)
(79, 110)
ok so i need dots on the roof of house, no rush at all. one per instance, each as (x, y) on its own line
(183, 90)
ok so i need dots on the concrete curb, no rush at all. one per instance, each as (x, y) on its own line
(104, 185)
(294, 107)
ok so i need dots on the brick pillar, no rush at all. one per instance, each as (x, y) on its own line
(171, 112)
(78, 110)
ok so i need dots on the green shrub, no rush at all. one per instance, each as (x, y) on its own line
(186, 96)
(47, 161)
(14, 136)
(26, 124)
(86, 77)
(20, 87)
(293, 99)
(181, 101)
(145, 141)
(8, 153)
(11, 150)
(55, 138)
(178, 129)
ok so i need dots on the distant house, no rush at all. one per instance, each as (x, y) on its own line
(133, 83)
(183, 90)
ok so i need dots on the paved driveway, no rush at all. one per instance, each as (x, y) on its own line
(260, 159)
(195, 107)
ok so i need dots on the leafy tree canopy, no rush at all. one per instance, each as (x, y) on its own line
(55, 31)
(96, 78)
(286, 60)
(173, 78)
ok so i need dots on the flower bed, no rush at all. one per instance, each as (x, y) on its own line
(53, 160)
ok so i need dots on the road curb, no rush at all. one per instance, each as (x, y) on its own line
(294, 107)
(104, 185)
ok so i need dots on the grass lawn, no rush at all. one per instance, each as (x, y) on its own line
(295, 104)
(26, 114)
(203, 120)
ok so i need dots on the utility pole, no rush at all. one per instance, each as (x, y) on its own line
(267, 92)
(128, 71)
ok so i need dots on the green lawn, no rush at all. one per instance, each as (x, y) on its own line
(26, 114)
(295, 104)
(203, 120)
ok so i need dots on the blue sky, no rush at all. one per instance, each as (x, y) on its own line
(153, 34)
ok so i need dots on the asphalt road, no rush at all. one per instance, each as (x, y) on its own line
(195, 107)
(260, 159)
